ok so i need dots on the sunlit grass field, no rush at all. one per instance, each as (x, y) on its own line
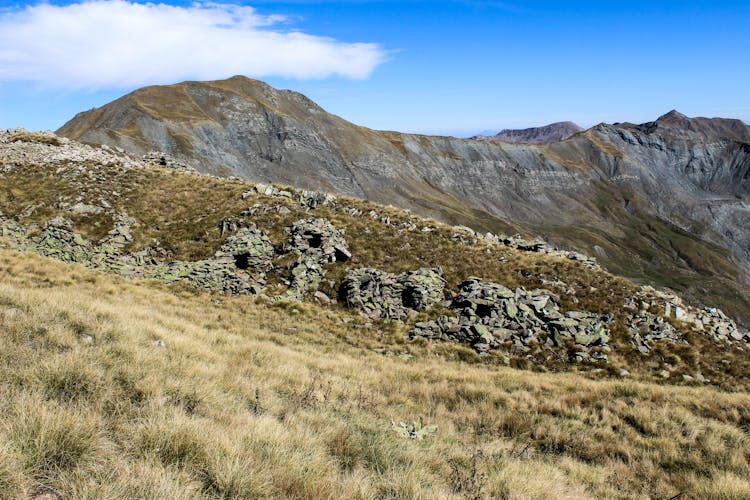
(244, 399)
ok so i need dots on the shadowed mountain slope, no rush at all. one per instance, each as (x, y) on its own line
(664, 202)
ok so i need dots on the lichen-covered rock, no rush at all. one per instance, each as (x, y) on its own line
(489, 315)
(314, 242)
(60, 241)
(421, 289)
(238, 267)
(249, 249)
(121, 235)
(646, 326)
(318, 238)
(212, 275)
(12, 231)
(378, 294)
(314, 199)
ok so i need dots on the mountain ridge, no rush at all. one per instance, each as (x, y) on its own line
(547, 134)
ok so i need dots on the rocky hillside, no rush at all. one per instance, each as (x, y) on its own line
(548, 134)
(481, 297)
(664, 202)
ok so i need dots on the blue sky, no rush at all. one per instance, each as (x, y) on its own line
(446, 67)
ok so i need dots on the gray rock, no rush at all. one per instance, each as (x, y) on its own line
(379, 294)
(489, 315)
(315, 243)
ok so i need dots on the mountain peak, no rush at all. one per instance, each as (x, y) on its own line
(547, 134)
(672, 116)
(676, 124)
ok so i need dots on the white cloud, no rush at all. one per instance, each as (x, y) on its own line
(119, 44)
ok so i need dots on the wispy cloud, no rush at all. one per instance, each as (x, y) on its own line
(118, 44)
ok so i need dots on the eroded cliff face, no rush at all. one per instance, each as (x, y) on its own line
(666, 201)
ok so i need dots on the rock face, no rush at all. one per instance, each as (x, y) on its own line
(668, 200)
(548, 134)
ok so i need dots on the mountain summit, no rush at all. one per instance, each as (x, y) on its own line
(666, 201)
(676, 124)
(548, 134)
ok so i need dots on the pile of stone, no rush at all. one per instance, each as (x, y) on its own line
(307, 199)
(12, 231)
(314, 243)
(249, 249)
(714, 322)
(121, 235)
(646, 328)
(238, 267)
(314, 199)
(525, 245)
(489, 316)
(318, 238)
(161, 159)
(378, 294)
(211, 275)
(468, 236)
(710, 322)
(58, 240)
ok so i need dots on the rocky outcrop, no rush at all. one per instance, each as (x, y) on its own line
(314, 243)
(378, 294)
(489, 316)
(121, 235)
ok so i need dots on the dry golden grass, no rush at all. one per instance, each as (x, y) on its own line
(250, 400)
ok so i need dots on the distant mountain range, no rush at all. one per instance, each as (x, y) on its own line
(554, 132)
(667, 201)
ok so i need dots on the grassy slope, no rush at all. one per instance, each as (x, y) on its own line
(182, 212)
(251, 400)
